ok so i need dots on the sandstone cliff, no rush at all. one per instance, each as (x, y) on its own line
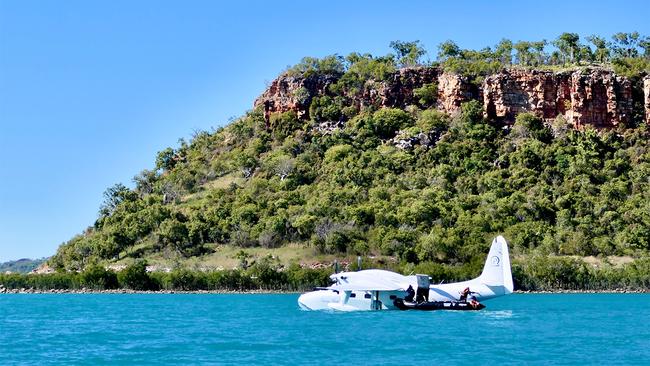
(291, 93)
(594, 97)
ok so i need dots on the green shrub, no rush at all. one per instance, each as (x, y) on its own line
(97, 277)
(135, 277)
(386, 122)
(427, 94)
(433, 120)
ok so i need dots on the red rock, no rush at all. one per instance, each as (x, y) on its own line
(595, 97)
(584, 97)
(293, 93)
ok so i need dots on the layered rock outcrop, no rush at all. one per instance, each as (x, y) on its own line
(454, 90)
(294, 93)
(594, 97)
(398, 90)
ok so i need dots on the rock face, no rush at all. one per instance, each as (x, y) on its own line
(293, 93)
(646, 97)
(397, 91)
(43, 269)
(594, 97)
(454, 90)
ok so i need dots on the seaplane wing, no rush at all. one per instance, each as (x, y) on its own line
(369, 280)
(367, 287)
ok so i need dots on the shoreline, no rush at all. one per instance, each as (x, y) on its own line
(262, 292)
(612, 291)
(144, 292)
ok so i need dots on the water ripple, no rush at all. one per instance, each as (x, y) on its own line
(270, 329)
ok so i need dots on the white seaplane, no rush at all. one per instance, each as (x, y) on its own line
(376, 289)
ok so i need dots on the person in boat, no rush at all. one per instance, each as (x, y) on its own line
(473, 302)
(410, 294)
(466, 292)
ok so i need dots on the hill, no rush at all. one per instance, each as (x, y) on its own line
(407, 163)
(21, 265)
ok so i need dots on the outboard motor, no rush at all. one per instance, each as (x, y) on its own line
(422, 293)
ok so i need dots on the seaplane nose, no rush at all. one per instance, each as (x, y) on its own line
(311, 300)
(316, 300)
(302, 302)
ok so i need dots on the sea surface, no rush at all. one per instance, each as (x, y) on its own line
(187, 329)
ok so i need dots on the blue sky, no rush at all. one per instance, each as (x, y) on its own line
(91, 90)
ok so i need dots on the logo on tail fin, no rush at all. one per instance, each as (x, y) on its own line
(496, 261)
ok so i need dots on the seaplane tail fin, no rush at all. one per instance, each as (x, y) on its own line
(496, 271)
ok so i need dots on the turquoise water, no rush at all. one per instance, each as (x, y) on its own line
(157, 329)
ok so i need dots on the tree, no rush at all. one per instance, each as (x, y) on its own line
(432, 119)
(601, 53)
(568, 45)
(427, 94)
(145, 181)
(503, 51)
(284, 166)
(97, 277)
(325, 108)
(135, 277)
(523, 54)
(625, 44)
(166, 159)
(282, 125)
(645, 45)
(538, 52)
(408, 53)
(448, 49)
(385, 122)
(113, 197)
(243, 257)
(585, 54)
(332, 64)
(182, 234)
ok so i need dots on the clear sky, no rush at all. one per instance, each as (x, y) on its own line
(91, 90)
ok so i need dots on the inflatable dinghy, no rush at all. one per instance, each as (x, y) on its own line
(438, 305)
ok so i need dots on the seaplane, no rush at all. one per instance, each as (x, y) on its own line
(376, 289)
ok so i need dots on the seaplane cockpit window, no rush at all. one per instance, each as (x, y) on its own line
(367, 296)
(353, 294)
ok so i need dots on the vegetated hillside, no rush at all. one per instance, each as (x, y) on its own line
(334, 167)
(21, 265)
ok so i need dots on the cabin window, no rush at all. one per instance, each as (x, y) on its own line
(393, 297)
(353, 295)
(367, 296)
